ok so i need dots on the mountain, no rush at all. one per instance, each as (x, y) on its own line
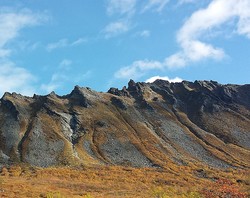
(201, 123)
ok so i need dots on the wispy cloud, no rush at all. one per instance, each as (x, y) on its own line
(57, 81)
(216, 14)
(82, 77)
(180, 2)
(28, 45)
(62, 43)
(60, 76)
(63, 75)
(79, 41)
(154, 78)
(125, 10)
(155, 5)
(12, 77)
(65, 64)
(59, 44)
(204, 21)
(143, 34)
(121, 7)
(15, 79)
(11, 22)
(116, 28)
(137, 69)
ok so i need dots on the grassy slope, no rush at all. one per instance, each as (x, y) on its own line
(116, 181)
(183, 144)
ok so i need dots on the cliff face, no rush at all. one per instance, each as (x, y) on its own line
(144, 125)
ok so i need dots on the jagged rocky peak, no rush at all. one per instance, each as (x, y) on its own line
(84, 96)
(141, 90)
(116, 91)
(161, 82)
(8, 105)
(83, 91)
(5, 100)
(134, 89)
(14, 95)
(144, 124)
(52, 95)
(133, 86)
(43, 99)
(8, 95)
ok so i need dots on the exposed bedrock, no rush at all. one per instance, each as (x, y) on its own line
(142, 125)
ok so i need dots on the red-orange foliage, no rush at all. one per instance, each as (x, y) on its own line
(224, 188)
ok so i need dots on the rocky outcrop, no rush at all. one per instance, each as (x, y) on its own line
(144, 125)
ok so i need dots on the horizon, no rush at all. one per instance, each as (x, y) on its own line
(106, 91)
(45, 48)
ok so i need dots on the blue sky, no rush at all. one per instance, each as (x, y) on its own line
(54, 45)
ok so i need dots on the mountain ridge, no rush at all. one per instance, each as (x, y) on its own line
(202, 123)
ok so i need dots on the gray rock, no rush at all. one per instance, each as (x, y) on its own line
(41, 151)
(124, 153)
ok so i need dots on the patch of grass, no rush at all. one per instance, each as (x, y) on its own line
(118, 181)
(1, 180)
(159, 192)
(87, 196)
(54, 195)
(194, 195)
(15, 171)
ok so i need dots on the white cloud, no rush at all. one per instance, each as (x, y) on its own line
(203, 21)
(154, 78)
(144, 33)
(157, 5)
(176, 60)
(48, 88)
(65, 64)
(4, 52)
(28, 45)
(79, 41)
(11, 23)
(57, 81)
(121, 6)
(12, 77)
(137, 69)
(59, 44)
(180, 2)
(125, 10)
(81, 77)
(242, 10)
(64, 75)
(115, 28)
(62, 43)
(59, 78)
(15, 79)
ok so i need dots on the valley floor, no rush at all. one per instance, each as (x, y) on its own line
(116, 181)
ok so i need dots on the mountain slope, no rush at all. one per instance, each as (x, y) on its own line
(145, 125)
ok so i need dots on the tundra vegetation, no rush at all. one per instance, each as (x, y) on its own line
(160, 139)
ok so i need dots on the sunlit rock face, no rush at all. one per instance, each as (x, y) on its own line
(145, 125)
